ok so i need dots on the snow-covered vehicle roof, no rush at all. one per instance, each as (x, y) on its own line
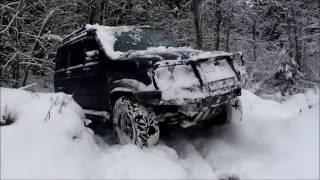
(117, 41)
(123, 42)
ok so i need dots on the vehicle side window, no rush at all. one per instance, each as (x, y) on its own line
(76, 54)
(61, 59)
(91, 49)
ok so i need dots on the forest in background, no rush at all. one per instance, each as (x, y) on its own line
(280, 39)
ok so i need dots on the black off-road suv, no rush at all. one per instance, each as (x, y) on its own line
(137, 78)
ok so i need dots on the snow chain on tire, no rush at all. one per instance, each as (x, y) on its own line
(145, 130)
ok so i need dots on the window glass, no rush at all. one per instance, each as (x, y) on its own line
(141, 39)
(91, 49)
(61, 59)
(76, 54)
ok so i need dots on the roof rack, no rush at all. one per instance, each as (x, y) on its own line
(68, 37)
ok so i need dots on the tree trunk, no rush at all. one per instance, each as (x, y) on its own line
(93, 12)
(254, 41)
(16, 40)
(197, 23)
(289, 34)
(297, 54)
(103, 10)
(319, 35)
(228, 30)
(25, 75)
(16, 71)
(218, 17)
(303, 53)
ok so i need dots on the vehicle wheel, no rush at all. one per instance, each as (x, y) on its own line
(134, 124)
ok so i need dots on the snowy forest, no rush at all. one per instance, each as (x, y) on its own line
(280, 39)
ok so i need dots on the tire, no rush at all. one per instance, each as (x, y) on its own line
(134, 124)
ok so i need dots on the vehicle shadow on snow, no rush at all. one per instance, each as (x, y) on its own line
(189, 143)
(198, 142)
(197, 136)
(200, 136)
(170, 135)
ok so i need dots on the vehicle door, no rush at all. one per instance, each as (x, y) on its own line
(60, 77)
(94, 94)
(74, 74)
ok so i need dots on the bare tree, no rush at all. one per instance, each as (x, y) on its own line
(196, 4)
(217, 29)
(228, 31)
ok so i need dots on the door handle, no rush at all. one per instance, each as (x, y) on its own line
(61, 88)
(86, 68)
(68, 72)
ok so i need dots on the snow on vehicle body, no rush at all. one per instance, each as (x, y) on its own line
(137, 76)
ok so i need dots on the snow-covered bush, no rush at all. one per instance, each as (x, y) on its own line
(286, 80)
(11, 102)
(288, 70)
(48, 138)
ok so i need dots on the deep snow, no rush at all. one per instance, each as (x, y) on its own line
(49, 140)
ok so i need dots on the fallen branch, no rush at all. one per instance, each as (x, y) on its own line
(9, 61)
(28, 86)
(52, 36)
(51, 106)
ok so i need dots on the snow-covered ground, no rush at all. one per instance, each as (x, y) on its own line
(49, 140)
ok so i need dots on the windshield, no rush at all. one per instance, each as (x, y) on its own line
(141, 39)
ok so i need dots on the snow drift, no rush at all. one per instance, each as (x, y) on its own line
(48, 139)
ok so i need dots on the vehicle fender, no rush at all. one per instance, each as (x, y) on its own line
(120, 91)
(132, 84)
(135, 89)
(125, 87)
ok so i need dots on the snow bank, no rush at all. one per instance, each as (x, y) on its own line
(256, 109)
(299, 103)
(273, 141)
(48, 138)
(11, 101)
